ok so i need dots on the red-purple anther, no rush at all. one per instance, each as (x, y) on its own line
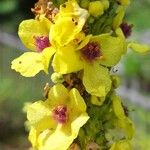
(41, 42)
(91, 51)
(127, 29)
(60, 114)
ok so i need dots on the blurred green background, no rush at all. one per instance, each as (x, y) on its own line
(16, 90)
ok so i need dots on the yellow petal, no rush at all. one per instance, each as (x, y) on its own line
(117, 107)
(58, 95)
(28, 29)
(96, 79)
(47, 54)
(77, 102)
(43, 137)
(119, 17)
(84, 42)
(67, 60)
(112, 48)
(60, 140)
(68, 23)
(33, 135)
(140, 48)
(39, 116)
(121, 36)
(128, 127)
(31, 63)
(71, 8)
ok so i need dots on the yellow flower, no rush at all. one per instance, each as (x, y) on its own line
(35, 35)
(121, 145)
(94, 55)
(68, 23)
(43, 37)
(30, 31)
(122, 121)
(55, 123)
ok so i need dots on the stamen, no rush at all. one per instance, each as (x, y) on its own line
(60, 114)
(41, 42)
(127, 29)
(91, 51)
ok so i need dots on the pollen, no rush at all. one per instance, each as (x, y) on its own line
(60, 114)
(91, 51)
(41, 43)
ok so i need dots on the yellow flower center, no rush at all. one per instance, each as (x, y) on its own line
(60, 114)
(41, 42)
(91, 51)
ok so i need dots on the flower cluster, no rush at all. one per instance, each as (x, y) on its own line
(82, 40)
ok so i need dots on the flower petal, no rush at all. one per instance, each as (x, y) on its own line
(31, 63)
(128, 127)
(33, 135)
(119, 17)
(58, 95)
(39, 116)
(96, 79)
(65, 139)
(140, 48)
(84, 42)
(28, 29)
(68, 23)
(117, 107)
(77, 102)
(67, 60)
(112, 48)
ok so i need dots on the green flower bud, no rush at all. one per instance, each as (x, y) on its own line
(96, 8)
(84, 3)
(105, 3)
(57, 78)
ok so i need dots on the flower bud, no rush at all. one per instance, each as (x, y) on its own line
(96, 8)
(105, 3)
(57, 78)
(84, 3)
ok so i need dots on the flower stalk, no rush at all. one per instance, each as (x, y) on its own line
(82, 40)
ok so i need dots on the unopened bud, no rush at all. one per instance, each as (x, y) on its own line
(105, 3)
(84, 3)
(57, 78)
(96, 8)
